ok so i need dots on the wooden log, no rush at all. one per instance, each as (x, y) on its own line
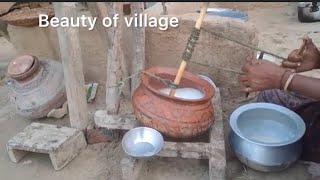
(115, 57)
(138, 62)
(72, 66)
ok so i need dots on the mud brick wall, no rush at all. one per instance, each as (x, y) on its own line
(180, 8)
(165, 48)
(43, 43)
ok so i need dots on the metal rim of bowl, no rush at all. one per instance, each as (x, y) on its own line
(209, 80)
(300, 123)
(126, 134)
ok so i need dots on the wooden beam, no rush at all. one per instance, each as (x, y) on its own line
(138, 61)
(112, 37)
(72, 66)
(114, 58)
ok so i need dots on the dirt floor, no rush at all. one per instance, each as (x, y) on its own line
(279, 32)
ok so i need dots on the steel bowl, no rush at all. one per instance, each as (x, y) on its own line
(209, 80)
(266, 137)
(142, 142)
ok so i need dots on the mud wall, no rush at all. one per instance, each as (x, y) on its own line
(43, 43)
(163, 48)
(179, 8)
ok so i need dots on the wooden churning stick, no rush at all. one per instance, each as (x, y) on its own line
(189, 48)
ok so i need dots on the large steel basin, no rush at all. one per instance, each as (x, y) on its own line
(265, 136)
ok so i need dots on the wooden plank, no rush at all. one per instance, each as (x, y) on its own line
(117, 122)
(186, 150)
(72, 66)
(138, 61)
(115, 57)
(193, 150)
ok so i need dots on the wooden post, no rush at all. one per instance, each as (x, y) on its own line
(115, 57)
(72, 66)
(138, 62)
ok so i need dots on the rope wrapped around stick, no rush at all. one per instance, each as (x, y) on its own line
(192, 41)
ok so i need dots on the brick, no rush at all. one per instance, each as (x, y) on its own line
(100, 135)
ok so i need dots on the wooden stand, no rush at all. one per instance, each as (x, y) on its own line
(214, 150)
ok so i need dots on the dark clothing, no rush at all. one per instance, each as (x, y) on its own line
(309, 111)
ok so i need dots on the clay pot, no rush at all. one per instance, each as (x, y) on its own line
(36, 87)
(173, 117)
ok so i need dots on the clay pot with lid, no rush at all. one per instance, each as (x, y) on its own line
(36, 87)
(172, 116)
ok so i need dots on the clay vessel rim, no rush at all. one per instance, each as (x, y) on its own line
(207, 88)
(28, 72)
(19, 57)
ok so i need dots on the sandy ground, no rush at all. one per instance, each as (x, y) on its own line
(279, 32)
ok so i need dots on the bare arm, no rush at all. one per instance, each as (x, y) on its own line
(263, 75)
(306, 86)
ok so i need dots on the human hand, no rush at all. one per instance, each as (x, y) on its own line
(261, 75)
(305, 60)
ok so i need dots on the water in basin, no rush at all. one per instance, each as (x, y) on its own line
(142, 149)
(267, 126)
(267, 131)
(185, 93)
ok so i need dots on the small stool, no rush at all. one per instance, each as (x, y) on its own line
(61, 143)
